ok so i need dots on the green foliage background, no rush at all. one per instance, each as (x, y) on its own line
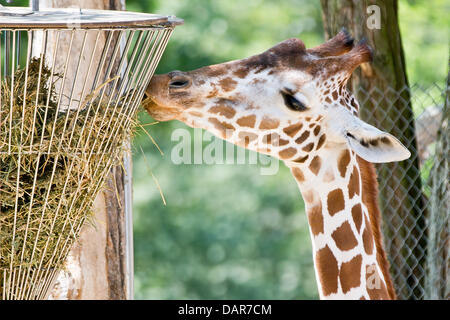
(228, 232)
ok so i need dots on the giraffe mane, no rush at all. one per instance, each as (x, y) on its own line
(370, 199)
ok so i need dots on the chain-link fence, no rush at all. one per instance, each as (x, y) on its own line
(414, 196)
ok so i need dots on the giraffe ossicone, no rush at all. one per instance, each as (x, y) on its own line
(292, 103)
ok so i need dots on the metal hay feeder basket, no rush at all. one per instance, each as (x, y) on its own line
(71, 83)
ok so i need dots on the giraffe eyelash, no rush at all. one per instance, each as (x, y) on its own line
(291, 102)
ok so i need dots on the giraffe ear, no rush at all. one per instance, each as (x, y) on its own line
(375, 145)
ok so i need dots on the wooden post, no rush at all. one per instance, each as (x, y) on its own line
(98, 266)
(383, 92)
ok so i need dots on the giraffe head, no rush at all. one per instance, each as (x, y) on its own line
(288, 102)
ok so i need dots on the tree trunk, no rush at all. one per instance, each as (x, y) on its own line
(97, 266)
(383, 92)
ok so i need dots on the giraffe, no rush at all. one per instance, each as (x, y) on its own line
(292, 103)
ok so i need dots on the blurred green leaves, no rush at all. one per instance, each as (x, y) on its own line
(226, 231)
(425, 30)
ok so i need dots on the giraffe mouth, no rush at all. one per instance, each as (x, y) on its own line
(158, 111)
(148, 102)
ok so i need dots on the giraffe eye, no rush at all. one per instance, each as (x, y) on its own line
(292, 102)
(179, 82)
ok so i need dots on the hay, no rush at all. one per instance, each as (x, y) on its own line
(52, 164)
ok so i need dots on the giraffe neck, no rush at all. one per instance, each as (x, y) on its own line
(348, 255)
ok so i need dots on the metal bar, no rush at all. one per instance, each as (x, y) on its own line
(7, 39)
(18, 49)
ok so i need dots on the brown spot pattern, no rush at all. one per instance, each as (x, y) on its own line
(350, 274)
(303, 137)
(267, 123)
(293, 129)
(228, 84)
(223, 127)
(241, 72)
(287, 153)
(344, 160)
(301, 159)
(344, 238)
(315, 219)
(335, 95)
(308, 147)
(367, 240)
(353, 184)
(298, 174)
(327, 269)
(316, 130)
(248, 121)
(223, 110)
(335, 201)
(321, 141)
(315, 165)
(357, 216)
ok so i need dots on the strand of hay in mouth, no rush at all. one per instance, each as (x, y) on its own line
(52, 164)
